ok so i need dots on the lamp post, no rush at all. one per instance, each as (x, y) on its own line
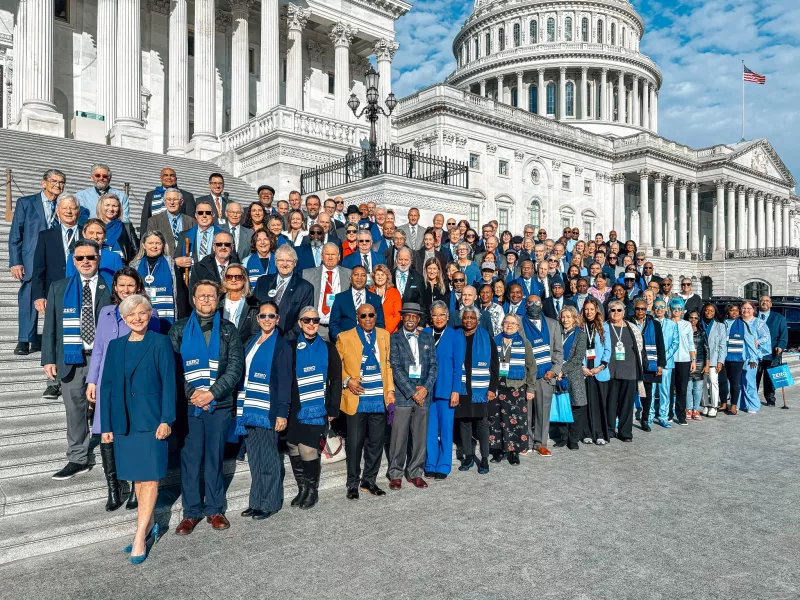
(372, 110)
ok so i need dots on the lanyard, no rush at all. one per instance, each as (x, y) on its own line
(617, 335)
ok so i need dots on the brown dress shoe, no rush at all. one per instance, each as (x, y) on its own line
(186, 526)
(734, 410)
(418, 482)
(395, 484)
(544, 451)
(218, 521)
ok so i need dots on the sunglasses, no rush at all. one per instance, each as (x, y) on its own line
(98, 176)
(223, 244)
(340, 204)
(686, 285)
(366, 316)
(352, 231)
(89, 257)
(364, 241)
(638, 308)
(207, 213)
(309, 320)
(271, 317)
(233, 277)
(316, 233)
(459, 280)
(450, 224)
(615, 310)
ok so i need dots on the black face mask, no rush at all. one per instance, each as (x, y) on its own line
(534, 311)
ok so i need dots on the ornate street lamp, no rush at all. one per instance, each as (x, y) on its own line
(373, 111)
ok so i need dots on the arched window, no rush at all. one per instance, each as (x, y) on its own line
(568, 29)
(567, 217)
(613, 34)
(488, 44)
(516, 34)
(570, 99)
(755, 289)
(533, 99)
(534, 31)
(585, 29)
(477, 48)
(501, 39)
(600, 39)
(514, 97)
(535, 214)
(551, 98)
(551, 30)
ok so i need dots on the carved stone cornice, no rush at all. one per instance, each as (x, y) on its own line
(385, 48)
(342, 35)
(491, 149)
(296, 17)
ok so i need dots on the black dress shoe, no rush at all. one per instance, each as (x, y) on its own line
(372, 489)
(52, 391)
(513, 458)
(352, 494)
(497, 456)
(645, 426)
(440, 477)
(22, 349)
(248, 512)
(572, 446)
(69, 471)
(625, 439)
(429, 475)
(37, 347)
(260, 515)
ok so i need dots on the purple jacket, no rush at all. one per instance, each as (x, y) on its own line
(110, 326)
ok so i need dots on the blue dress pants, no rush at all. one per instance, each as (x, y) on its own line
(748, 395)
(28, 315)
(440, 437)
(203, 449)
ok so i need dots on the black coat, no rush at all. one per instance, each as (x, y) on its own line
(128, 242)
(549, 306)
(431, 295)
(188, 208)
(414, 287)
(49, 261)
(333, 390)
(248, 323)
(299, 293)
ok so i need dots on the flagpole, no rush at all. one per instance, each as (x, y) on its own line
(742, 75)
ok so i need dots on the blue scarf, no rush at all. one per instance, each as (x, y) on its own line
(71, 327)
(110, 263)
(520, 310)
(192, 236)
(200, 362)
(255, 269)
(736, 342)
(371, 401)
(157, 205)
(650, 347)
(311, 369)
(113, 231)
(253, 400)
(563, 384)
(540, 342)
(516, 369)
(481, 375)
(453, 302)
(163, 300)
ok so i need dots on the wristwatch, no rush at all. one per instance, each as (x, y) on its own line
(346, 381)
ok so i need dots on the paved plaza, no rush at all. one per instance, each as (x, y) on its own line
(703, 511)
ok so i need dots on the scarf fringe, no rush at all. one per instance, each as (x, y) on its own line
(312, 415)
(479, 396)
(370, 406)
(250, 419)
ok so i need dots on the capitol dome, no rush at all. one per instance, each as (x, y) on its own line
(577, 61)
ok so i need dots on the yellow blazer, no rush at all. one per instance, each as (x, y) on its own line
(349, 346)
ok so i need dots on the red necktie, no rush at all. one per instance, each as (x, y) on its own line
(328, 290)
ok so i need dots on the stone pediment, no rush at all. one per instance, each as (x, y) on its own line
(760, 157)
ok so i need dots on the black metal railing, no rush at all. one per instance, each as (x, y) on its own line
(784, 251)
(389, 161)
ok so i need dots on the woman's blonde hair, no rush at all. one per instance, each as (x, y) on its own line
(385, 270)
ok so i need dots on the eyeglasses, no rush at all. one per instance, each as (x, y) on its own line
(52, 182)
(309, 320)
(366, 316)
(206, 297)
(271, 316)
(364, 241)
(352, 231)
(215, 182)
(459, 279)
(99, 176)
(694, 318)
(207, 213)
(233, 277)
(648, 268)
(686, 285)
(89, 257)
(638, 308)
(341, 203)
(223, 244)
(615, 310)
(232, 213)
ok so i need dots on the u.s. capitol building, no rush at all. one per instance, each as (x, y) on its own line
(552, 111)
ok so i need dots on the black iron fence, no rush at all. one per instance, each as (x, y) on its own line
(389, 161)
(784, 251)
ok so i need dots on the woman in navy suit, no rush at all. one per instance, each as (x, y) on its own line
(138, 399)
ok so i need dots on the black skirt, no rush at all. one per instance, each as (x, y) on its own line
(298, 433)
(467, 409)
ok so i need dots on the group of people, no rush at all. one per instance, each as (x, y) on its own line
(267, 327)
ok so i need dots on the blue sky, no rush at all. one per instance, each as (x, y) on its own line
(699, 46)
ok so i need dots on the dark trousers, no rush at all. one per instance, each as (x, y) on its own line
(572, 433)
(620, 407)
(266, 469)
(204, 447)
(482, 435)
(28, 316)
(681, 372)
(769, 389)
(733, 371)
(597, 409)
(647, 400)
(365, 432)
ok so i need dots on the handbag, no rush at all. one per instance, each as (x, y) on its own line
(332, 447)
(561, 409)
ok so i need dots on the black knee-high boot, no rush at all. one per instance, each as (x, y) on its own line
(311, 470)
(299, 477)
(109, 466)
(133, 502)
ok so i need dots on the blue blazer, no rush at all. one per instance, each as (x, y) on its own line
(305, 257)
(533, 289)
(401, 358)
(343, 313)
(147, 399)
(450, 358)
(29, 219)
(602, 352)
(778, 331)
(354, 259)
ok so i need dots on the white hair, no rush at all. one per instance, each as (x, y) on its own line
(131, 302)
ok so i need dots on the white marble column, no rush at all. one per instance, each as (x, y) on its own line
(658, 214)
(542, 92)
(604, 94)
(671, 225)
(760, 216)
(619, 205)
(240, 67)
(654, 109)
(644, 210)
(106, 60)
(342, 36)
(520, 102)
(646, 104)
(500, 90)
(384, 51)
(741, 225)
(483, 88)
(178, 78)
(621, 98)
(205, 92)
(731, 237)
(20, 52)
(683, 228)
(769, 211)
(777, 203)
(562, 94)
(635, 101)
(720, 207)
(787, 222)
(694, 238)
(584, 93)
(752, 243)
(296, 19)
(38, 110)
(270, 72)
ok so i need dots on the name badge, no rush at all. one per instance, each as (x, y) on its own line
(151, 291)
(272, 293)
(415, 371)
(504, 367)
(619, 351)
(329, 300)
(149, 279)
(590, 354)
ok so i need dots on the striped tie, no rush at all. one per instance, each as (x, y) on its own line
(175, 233)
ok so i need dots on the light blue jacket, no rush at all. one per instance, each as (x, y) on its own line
(602, 352)
(88, 198)
(669, 329)
(685, 337)
(759, 330)
(717, 336)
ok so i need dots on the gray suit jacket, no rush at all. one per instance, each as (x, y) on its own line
(161, 223)
(243, 243)
(314, 277)
(420, 234)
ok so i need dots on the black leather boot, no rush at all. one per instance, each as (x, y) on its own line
(299, 477)
(311, 470)
(132, 501)
(110, 468)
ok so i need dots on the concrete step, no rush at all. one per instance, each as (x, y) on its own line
(45, 457)
(33, 428)
(34, 404)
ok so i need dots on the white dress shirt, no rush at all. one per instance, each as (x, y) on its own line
(66, 240)
(335, 289)
(93, 287)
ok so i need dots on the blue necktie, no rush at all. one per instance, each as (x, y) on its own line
(316, 257)
(54, 223)
(175, 232)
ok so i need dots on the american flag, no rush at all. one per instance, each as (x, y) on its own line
(754, 77)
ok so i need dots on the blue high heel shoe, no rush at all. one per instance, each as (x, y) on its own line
(154, 533)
